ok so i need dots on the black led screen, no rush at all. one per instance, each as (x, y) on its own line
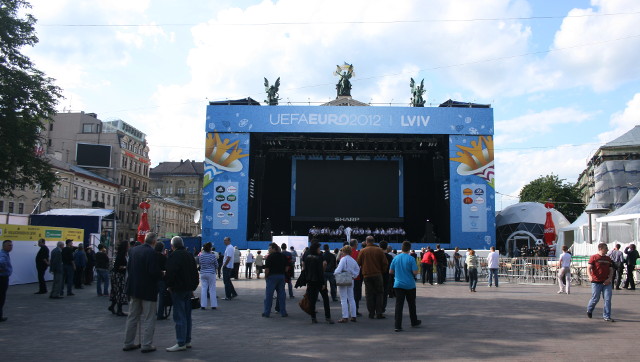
(346, 188)
(93, 155)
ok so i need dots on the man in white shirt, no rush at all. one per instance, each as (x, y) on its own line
(248, 269)
(227, 269)
(493, 264)
(564, 271)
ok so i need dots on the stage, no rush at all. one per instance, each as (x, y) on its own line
(411, 173)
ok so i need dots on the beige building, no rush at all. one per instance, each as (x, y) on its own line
(612, 176)
(115, 151)
(181, 181)
(77, 188)
(169, 217)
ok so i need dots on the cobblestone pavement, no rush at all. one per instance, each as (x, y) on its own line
(513, 322)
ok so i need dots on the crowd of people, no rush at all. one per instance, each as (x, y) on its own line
(325, 233)
(146, 277)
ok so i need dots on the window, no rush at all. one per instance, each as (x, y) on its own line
(158, 191)
(20, 208)
(75, 193)
(193, 191)
(88, 128)
(1, 205)
(81, 193)
(89, 195)
(10, 207)
(49, 142)
(113, 201)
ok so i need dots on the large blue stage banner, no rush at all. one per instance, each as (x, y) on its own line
(225, 195)
(471, 166)
(472, 182)
(332, 119)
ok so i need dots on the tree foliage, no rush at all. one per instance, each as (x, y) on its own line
(564, 195)
(27, 99)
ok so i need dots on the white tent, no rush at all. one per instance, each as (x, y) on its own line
(622, 225)
(578, 231)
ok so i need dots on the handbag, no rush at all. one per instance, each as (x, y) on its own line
(195, 302)
(305, 304)
(344, 279)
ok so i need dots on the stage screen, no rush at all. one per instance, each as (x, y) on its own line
(346, 190)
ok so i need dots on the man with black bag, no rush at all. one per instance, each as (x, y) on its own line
(181, 279)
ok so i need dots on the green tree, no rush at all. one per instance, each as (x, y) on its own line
(565, 196)
(27, 100)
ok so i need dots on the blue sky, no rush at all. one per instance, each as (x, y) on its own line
(562, 76)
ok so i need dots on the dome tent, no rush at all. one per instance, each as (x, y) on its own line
(523, 224)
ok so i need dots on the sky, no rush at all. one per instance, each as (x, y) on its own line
(563, 77)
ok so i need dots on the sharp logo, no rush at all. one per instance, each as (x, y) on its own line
(351, 219)
(414, 121)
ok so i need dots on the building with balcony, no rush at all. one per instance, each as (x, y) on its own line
(114, 150)
(181, 181)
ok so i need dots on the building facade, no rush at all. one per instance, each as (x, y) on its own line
(169, 217)
(77, 188)
(114, 150)
(181, 181)
(612, 176)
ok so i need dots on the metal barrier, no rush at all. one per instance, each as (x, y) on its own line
(535, 270)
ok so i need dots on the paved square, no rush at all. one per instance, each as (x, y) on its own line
(510, 323)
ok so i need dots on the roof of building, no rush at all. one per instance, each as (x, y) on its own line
(631, 138)
(182, 168)
(236, 102)
(345, 101)
(79, 212)
(452, 103)
(87, 173)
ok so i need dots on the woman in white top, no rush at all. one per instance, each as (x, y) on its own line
(208, 268)
(348, 264)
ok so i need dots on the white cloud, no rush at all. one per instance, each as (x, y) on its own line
(535, 124)
(605, 65)
(622, 122)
